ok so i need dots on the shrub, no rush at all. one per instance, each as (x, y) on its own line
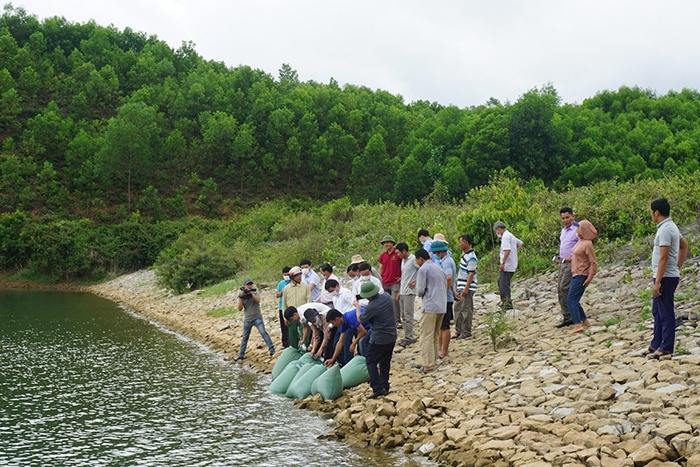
(193, 261)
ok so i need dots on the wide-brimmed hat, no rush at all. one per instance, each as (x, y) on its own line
(388, 238)
(369, 289)
(438, 246)
(356, 259)
(440, 237)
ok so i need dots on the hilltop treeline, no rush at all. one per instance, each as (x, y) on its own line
(100, 122)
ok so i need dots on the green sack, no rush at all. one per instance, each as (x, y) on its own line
(288, 355)
(282, 382)
(329, 384)
(303, 368)
(355, 372)
(301, 386)
(307, 358)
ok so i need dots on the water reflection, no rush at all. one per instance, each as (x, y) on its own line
(84, 383)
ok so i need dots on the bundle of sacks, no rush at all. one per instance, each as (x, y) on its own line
(298, 375)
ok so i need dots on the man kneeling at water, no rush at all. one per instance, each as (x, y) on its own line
(350, 332)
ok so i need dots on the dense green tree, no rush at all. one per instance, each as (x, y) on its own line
(130, 144)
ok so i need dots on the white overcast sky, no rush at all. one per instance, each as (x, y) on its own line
(459, 52)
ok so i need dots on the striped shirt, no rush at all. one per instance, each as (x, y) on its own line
(466, 265)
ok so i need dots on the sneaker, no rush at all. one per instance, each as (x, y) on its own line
(406, 342)
(272, 352)
(238, 357)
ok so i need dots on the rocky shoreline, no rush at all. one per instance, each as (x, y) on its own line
(543, 398)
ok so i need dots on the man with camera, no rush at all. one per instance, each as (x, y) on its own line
(249, 302)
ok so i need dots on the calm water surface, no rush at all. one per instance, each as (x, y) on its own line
(83, 382)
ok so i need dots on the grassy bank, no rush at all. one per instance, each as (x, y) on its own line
(195, 252)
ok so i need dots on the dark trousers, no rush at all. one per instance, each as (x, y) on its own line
(330, 347)
(504, 279)
(664, 316)
(563, 284)
(285, 331)
(378, 365)
(345, 355)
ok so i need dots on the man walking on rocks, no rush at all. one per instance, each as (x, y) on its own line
(449, 268)
(390, 270)
(567, 241)
(466, 288)
(431, 285)
(407, 297)
(668, 255)
(249, 302)
(509, 262)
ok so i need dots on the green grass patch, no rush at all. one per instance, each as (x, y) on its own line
(221, 288)
(226, 312)
(613, 321)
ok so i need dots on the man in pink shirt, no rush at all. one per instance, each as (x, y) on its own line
(567, 241)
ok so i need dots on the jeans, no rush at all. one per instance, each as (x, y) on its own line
(247, 326)
(345, 354)
(378, 365)
(662, 309)
(563, 285)
(574, 300)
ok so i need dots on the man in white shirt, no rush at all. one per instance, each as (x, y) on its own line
(364, 275)
(407, 293)
(310, 278)
(326, 271)
(509, 262)
(343, 299)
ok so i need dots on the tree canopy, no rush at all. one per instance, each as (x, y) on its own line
(113, 121)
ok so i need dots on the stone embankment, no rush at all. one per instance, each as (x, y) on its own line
(543, 398)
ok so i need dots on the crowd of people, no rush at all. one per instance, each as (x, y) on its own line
(334, 321)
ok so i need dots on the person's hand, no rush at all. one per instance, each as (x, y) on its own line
(501, 267)
(329, 363)
(352, 347)
(657, 289)
(412, 284)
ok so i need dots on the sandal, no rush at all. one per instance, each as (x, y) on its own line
(648, 352)
(658, 355)
(425, 370)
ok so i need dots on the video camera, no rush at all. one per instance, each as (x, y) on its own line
(246, 293)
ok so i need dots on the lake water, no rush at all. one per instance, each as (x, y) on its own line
(83, 382)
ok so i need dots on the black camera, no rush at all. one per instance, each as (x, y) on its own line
(246, 293)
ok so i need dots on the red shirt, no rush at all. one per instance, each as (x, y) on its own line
(391, 267)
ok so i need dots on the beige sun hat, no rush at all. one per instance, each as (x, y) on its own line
(440, 238)
(356, 259)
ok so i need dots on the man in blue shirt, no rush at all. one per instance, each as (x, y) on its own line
(281, 285)
(347, 325)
